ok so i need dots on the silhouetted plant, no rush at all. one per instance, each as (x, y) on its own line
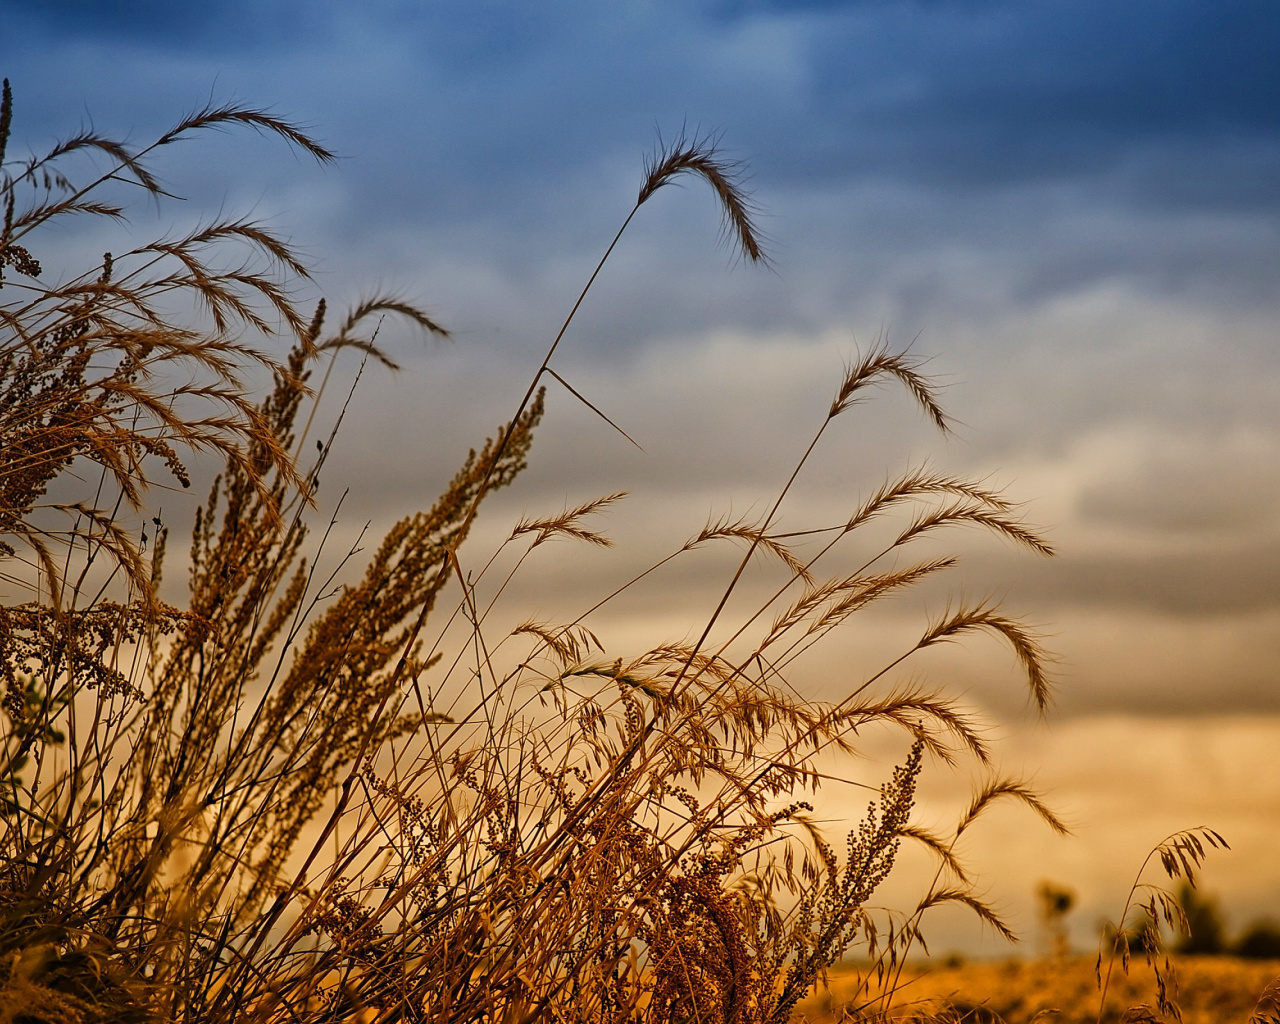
(293, 803)
(1149, 910)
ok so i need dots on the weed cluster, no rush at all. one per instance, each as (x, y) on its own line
(277, 805)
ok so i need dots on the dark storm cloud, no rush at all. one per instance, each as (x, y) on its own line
(1236, 579)
(222, 27)
(1007, 92)
(1061, 144)
(948, 94)
(955, 96)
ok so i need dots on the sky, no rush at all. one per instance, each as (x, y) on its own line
(1070, 210)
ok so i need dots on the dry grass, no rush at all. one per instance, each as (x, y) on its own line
(1212, 990)
(296, 801)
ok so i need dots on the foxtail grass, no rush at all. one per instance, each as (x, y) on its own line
(298, 799)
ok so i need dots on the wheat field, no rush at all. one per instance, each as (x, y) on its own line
(1211, 989)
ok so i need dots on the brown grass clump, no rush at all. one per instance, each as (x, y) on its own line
(89, 364)
(299, 802)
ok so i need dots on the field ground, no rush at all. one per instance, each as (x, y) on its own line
(1211, 990)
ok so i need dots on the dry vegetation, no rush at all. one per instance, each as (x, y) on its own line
(283, 802)
(1211, 990)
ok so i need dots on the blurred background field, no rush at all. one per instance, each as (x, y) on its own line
(1212, 990)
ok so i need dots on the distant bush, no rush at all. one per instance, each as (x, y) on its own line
(1138, 936)
(1204, 932)
(1260, 941)
(1054, 903)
